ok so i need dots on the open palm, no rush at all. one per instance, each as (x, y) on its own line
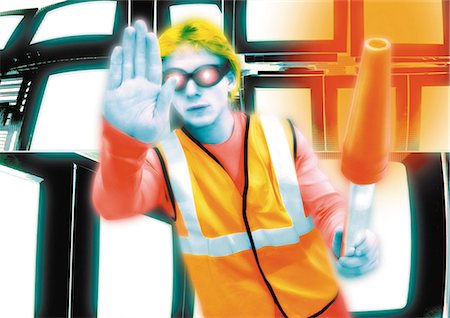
(135, 102)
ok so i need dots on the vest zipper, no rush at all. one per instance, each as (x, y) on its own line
(247, 226)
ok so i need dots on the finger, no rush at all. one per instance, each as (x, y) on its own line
(356, 264)
(356, 271)
(353, 261)
(359, 239)
(128, 53)
(154, 65)
(346, 272)
(367, 244)
(358, 261)
(337, 242)
(139, 60)
(164, 100)
(115, 68)
(365, 248)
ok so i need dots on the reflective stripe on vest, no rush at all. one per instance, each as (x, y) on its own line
(285, 172)
(196, 243)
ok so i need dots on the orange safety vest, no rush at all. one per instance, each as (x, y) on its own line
(248, 253)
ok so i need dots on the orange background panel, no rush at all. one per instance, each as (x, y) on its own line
(404, 22)
(296, 106)
(429, 113)
(287, 20)
(415, 28)
(291, 98)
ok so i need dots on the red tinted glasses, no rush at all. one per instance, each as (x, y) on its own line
(203, 76)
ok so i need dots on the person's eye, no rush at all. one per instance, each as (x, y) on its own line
(208, 75)
(179, 77)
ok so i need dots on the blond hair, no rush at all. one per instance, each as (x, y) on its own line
(200, 34)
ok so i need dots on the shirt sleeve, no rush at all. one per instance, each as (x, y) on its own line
(129, 178)
(320, 199)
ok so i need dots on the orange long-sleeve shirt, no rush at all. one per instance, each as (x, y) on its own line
(130, 180)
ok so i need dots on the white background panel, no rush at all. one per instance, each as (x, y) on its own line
(7, 26)
(183, 12)
(71, 111)
(18, 239)
(287, 20)
(135, 268)
(65, 21)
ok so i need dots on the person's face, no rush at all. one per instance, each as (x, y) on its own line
(196, 101)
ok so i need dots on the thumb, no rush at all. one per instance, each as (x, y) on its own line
(165, 96)
(337, 242)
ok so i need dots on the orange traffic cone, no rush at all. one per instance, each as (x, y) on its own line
(367, 140)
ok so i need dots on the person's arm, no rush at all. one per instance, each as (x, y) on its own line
(320, 199)
(328, 209)
(136, 114)
(129, 178)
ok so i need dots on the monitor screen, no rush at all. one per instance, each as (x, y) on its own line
(292, 103)
(18, 241)
(298, 98)
(289, 20)
(8, 24)
(434, 122)
(70, 111)
(65, 21)
(171, 12)
(290, 26)
(135, 268)
(430, 113)
(17, 5)
(419, 22)
(418, 28)
(208, 11)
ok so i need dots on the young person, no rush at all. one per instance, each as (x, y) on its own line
(253, 212)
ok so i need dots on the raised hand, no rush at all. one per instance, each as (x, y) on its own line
(135, 102)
